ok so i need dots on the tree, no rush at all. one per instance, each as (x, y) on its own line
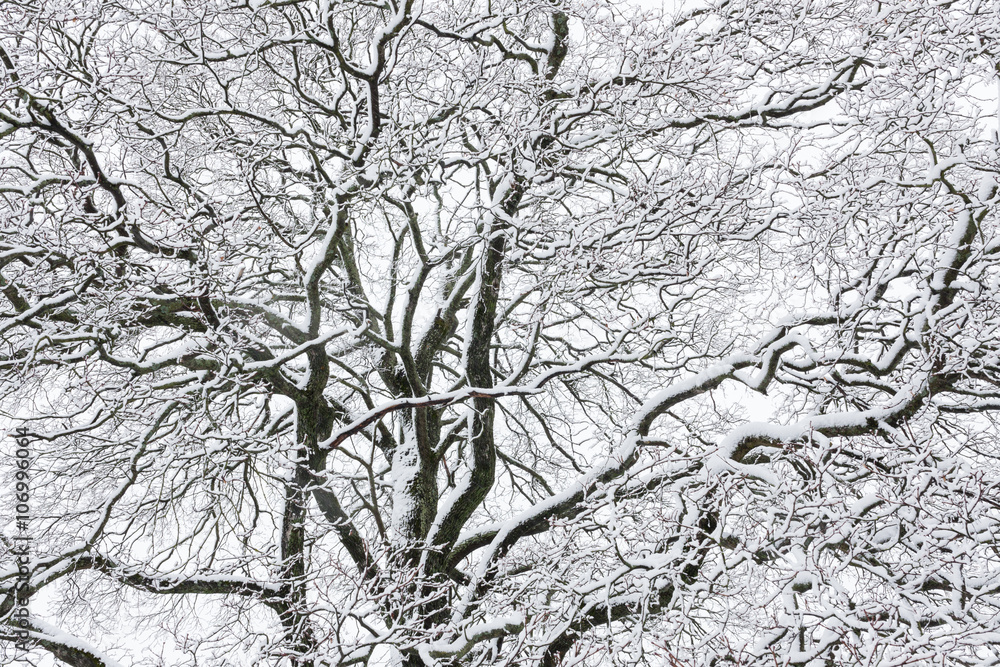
(518, 331)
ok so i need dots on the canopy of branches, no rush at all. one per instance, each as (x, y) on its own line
(503, 332)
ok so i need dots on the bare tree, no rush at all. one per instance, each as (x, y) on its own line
(504, 331)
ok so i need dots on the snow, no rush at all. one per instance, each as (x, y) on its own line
(865, 504)
(936, 171)
(956, 243)
(405, 467)
(793, 227)
(677, 390)
(52, 633)
(471, 635)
